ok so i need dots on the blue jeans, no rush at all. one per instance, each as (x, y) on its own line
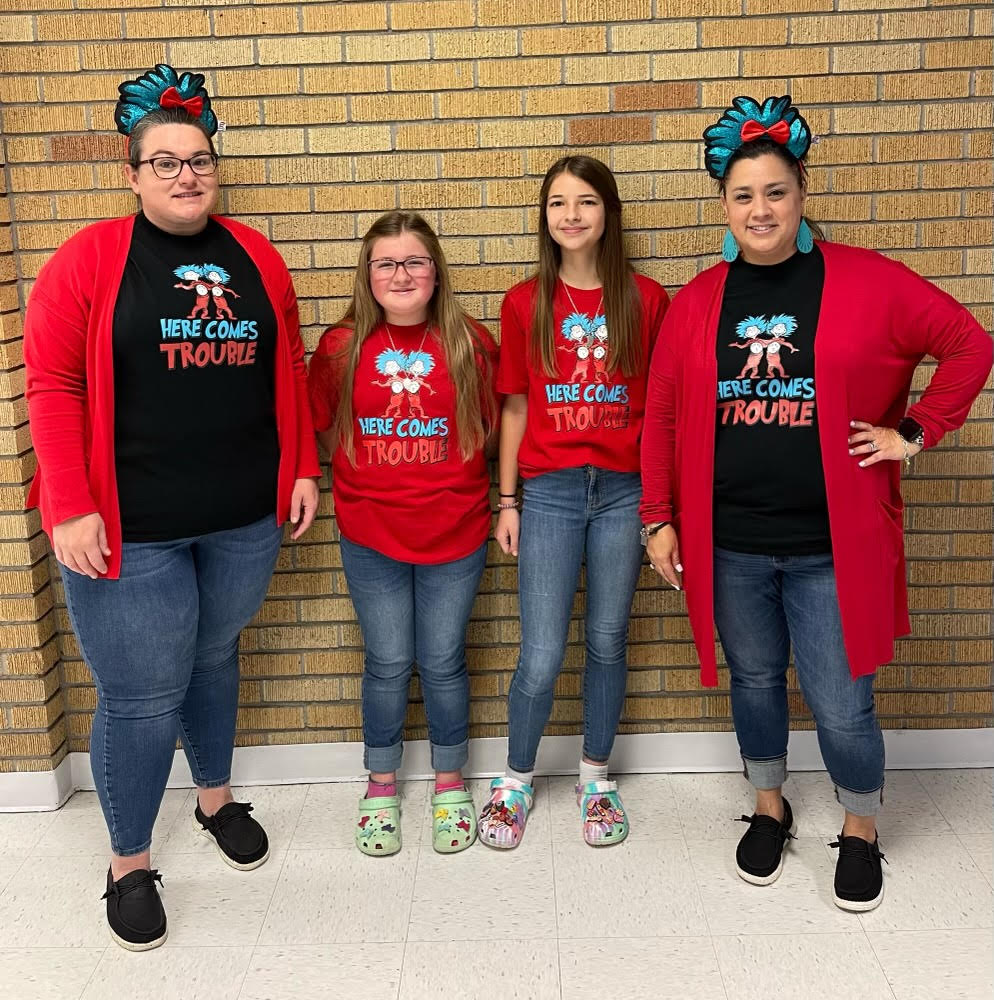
(413, 613)
(162, 645)
(568, 517)
(763, 605)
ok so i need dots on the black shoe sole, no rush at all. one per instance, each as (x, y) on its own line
(775, 874)
(230, 862)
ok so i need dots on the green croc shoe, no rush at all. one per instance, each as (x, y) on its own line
(453, 821)
(378, 830)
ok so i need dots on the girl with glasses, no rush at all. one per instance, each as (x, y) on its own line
(402, 397)
(574, 353)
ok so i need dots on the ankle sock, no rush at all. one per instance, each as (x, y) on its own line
(525, 777)
(448, 786)
(592, 772)
(377, 789)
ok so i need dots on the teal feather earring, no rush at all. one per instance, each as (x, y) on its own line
(805, 238)
(729, 248)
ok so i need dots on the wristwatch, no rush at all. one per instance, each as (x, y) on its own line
(912, 431)
(648, 530)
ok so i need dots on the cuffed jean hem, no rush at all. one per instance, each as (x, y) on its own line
(383, 760)
(131, 851)
(765, 774)
(860, 803)
(214, 783)
(449, 758)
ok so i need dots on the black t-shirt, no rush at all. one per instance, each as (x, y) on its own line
(769, 486)
(194, 395)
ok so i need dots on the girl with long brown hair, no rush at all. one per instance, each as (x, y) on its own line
(402, 396)
(575, 345)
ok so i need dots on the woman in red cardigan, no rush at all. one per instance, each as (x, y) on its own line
(776, 424)
(168, 404)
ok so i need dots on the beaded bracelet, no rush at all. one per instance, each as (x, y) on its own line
(513, 505)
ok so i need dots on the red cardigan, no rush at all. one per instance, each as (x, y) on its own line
(878, 320)
(68, 354)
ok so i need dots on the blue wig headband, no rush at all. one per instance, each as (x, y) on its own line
(163, 88)
(745, 121)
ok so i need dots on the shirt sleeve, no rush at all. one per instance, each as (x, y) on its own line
(512, 376)
(324, 377)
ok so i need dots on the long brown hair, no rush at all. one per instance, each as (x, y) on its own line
(466, 354)
(622, 305)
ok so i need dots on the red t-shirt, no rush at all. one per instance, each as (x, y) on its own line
(585, 416)
(410, 494)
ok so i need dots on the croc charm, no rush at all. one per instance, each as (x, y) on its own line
(745, 121)
(160, 88)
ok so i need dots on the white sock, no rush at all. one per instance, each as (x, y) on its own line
(592, 772)
(525, 777)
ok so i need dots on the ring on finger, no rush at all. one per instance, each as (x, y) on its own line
(873, 446)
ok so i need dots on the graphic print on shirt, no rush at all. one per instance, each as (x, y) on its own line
(405, 433)
(601, 404)
(769, 396)
(224, 340)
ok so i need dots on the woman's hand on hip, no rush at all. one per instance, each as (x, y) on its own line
(878, 444)
(507, 531)
(80, 544)
(303, 505)
(663, 550)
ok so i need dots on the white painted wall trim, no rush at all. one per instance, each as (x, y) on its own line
(648, 752)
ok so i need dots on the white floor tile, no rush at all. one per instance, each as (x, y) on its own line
(937, 965)
(799, 902)
(907, 807)
(9, 865)
(19, 832)
(809, 966)
(324, 972)
(481, 970)
(328, 818)
(648, 799)
(55, 901)
(980, 847)
(169, 974)
(930, 883)
(640, 969)
(629, 890)
(46, 973)
(965, 798)
(709, 804)
(276, 807)
(209, 904)
(483, 893)
(330, 896)
(79, 827)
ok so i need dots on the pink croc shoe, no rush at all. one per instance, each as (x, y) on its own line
(502, 821)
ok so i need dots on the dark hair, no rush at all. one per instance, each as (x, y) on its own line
(162, 116)
(621, 301)
(765, 147)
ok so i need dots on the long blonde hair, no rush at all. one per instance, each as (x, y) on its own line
(622, 305)
(466, 354)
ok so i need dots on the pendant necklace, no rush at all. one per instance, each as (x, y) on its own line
(600, 305)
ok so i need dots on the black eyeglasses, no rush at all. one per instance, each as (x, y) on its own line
(168, 167)
(386, 267)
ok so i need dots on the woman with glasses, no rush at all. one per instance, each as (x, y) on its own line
(168, 405)
(402, 397)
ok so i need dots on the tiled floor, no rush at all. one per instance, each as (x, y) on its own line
(662, 916)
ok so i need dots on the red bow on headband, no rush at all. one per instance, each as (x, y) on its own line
(170, 99)
(778, 132)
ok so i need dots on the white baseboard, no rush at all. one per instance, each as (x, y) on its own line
(647, 752)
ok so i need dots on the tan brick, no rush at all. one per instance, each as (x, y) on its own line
(893, 177)
(919, 205)
(925, 86)
(833, 28)
(608, 10)
(77, 26)
(450, 194)
(45, 118)
(335, 17)
(350, 79)
(304, 110)
(431, 76)
(355, 197)
(567, 101)
(396, 167)
(313, 226)
(654, 37)
(474, 44)
(610, 129)
(297, 50)
(489, 163)
(519, 72)
(697, 65)
(38, 59)
(660, 156)
(20, 29)
(483, 222)
(970, 232)
(390, 48)
(391, 107)
(250, 21)
(262, 142)
(921, 24)
(419, 15)
(556, 41)
(736, 32)
(349, 139)
(683, 125)
(958, 116)
(606, 69)
(521, 133)
(190, 23)
(266, 199)
(17, 89)
(788, 6)
(969, 54)
(497, 12)
(451, 135)
(230, 52)
(932, 146)
(834, 89)
(480, 104)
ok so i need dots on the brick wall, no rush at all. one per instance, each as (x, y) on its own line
(338, 111)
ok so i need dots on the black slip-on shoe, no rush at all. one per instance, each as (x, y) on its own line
(859, 878)
(135, 915)
(240, 840)
(759, 856)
